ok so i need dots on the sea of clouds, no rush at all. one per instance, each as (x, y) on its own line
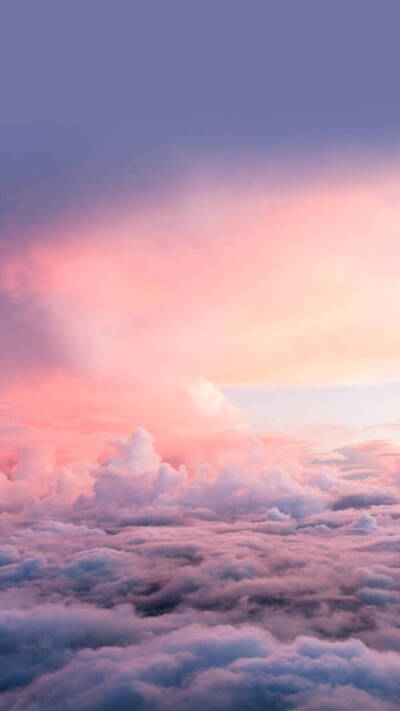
(136, 585)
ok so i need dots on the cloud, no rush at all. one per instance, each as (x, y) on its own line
(274, 514)
(227, 668)
(363, 500)
(40, 639)
(366, 523)
(239, 585)
(157, 553)
(163, 332)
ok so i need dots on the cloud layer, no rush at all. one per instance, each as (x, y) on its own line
(242, 585)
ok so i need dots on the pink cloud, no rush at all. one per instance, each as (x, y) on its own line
(227, 284)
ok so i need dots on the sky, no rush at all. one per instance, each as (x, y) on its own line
(199, 361)
(190, 193)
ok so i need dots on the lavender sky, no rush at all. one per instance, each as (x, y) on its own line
(199, 361)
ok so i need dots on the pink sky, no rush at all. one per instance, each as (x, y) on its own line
(152, 309)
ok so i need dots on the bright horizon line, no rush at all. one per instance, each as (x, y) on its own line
(276, 385)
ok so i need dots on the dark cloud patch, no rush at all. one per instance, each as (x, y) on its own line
(363, 500)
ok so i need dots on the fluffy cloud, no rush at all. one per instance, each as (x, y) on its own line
(222, 667)
(242, 585)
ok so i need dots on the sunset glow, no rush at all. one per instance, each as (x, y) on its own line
(200, 356)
